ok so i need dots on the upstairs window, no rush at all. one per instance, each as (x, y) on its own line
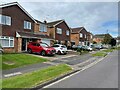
(5, 20)
(85, 36)
(67, 32)
(27, 25)
(59, 31)
(43, 28)
(81, 35)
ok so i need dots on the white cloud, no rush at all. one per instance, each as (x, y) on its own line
(90, 14)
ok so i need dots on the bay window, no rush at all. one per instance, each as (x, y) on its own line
(6, 41)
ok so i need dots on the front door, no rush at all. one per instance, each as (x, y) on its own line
(24, 41)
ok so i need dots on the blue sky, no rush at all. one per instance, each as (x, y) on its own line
(96, 17)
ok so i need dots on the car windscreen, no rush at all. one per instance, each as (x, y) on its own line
(44, 45)
(63, 46)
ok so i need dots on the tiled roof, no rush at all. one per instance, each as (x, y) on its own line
(33, 35)
(54, 22)
(16, 3)
(99, 35)
(76, 30)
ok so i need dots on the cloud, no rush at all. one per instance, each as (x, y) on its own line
(91, 15)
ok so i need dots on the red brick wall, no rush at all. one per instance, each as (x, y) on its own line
(17, 18)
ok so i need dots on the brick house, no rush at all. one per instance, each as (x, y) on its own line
(98, 38)
(60, 31)
(41, 28)
(79, 36)
(17, 28)
(90, 38)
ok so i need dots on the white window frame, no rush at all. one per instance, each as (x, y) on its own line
(27, 25)
(67, 32)
(59, 31)
(81, 35)
(9, 40)
(91, 36)
(85, 36)
(44, 28)
(5, 20)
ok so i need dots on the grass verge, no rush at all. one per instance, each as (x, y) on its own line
(32, 79)
(108, 50)
(10, 61)
(101, 54)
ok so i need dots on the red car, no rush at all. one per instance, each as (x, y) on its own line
(41, 48)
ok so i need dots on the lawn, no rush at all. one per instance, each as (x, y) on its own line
(10, 61)
(36, 77)
(108, 50)
(101, 53)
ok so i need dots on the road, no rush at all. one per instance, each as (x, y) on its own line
(102, 75)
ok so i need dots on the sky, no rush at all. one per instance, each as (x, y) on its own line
(98, 17)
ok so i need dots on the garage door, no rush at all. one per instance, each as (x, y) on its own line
(46, 41)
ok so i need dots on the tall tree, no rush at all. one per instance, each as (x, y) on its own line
(112, 42)
(107, 39)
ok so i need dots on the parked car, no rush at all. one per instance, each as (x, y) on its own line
(1, 49)
(76, 47)
(60, 49)
(88, 48)
(41, 48)
(98, 47)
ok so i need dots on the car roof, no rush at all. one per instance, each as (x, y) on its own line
(59, 44)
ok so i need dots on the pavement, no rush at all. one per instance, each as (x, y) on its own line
(100, 75)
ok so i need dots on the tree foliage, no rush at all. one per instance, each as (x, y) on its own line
(107, 39)
(112, 42)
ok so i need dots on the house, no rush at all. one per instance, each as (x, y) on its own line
(90, 38)
(117, 40)
(98, 38)
(41, 28)
(59, 31)
(17, 28)
(79, 36)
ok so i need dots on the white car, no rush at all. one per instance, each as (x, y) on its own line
(60, 49)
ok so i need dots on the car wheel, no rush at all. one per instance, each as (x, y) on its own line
(59, 52)
(29, 51)
(43, 53)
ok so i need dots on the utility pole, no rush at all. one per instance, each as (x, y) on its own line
(107, 31)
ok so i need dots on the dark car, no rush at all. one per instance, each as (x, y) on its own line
(1, 49)
(41, 48)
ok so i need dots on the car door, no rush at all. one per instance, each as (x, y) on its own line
(56, 47)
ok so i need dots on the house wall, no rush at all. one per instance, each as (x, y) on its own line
(84, 32)
(63, 36)
(98, 40)
(37, 29)
(17, 21)
(75, 37)
(17, 24)
(51, 32)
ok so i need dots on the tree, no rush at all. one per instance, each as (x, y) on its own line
(94, 42)
(112, 42)
(107, 39)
